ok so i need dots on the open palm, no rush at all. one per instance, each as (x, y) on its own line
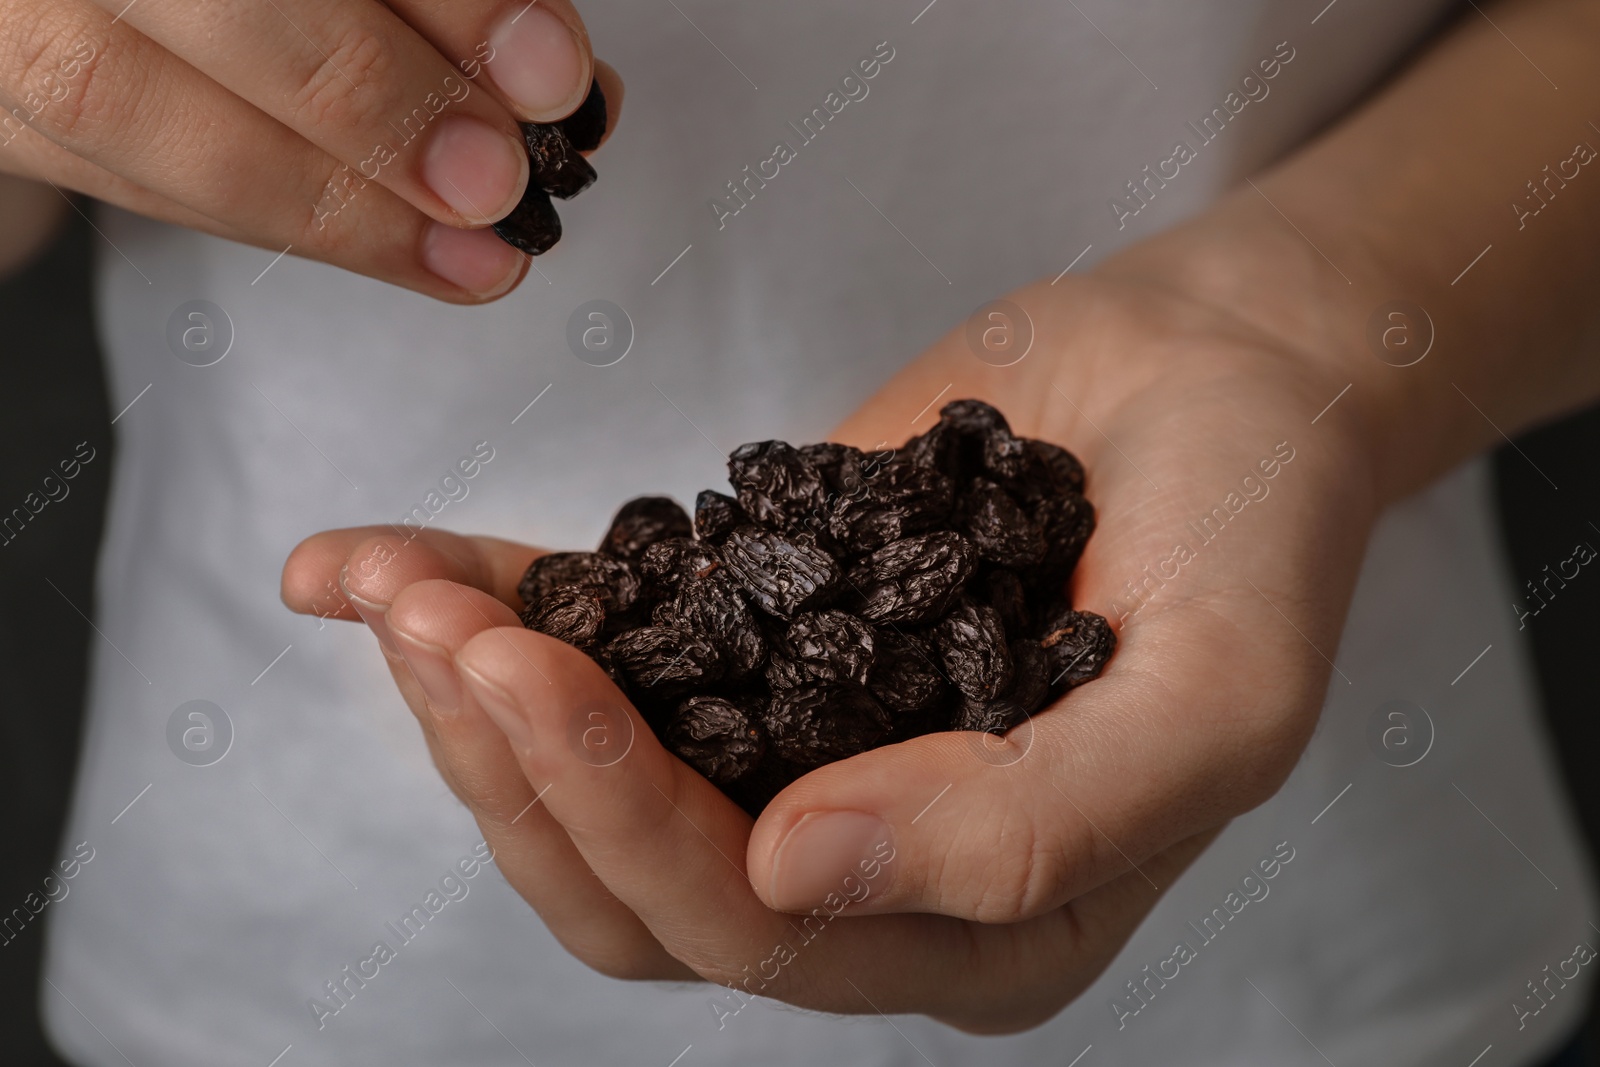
(984, 882)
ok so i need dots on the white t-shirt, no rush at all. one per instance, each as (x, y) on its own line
(1400, 925)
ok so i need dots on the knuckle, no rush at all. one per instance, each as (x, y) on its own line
(344, 85)
(54, 67)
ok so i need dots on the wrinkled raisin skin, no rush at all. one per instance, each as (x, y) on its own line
(554, 164)
(1077, 645)
(912, 580)
(819, 724)
(972, 644)
(717, 738)
(640, 523)
(575, 614)
(839, 601)
(831, 646)
(784, 575)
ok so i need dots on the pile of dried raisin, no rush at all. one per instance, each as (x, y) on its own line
(556, 168)
(838, 601)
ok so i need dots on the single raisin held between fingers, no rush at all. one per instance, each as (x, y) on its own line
(533, 227)
(556, 168)
(554, 164)
(586, 127)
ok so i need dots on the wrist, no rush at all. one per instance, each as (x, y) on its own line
(1243, 260)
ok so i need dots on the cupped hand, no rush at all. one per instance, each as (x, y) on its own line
(378, 136)
(981, 881)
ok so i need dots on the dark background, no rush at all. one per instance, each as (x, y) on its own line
(57, 398)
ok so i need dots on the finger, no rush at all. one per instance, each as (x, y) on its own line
(125, 104)
(660, 836)
(613, 787)
(671, 847)
(353, 79)
(27, 154)
(429, 622)
(342, 574)
(1082, 793)
(537, 55)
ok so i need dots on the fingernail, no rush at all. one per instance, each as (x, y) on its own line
(830, 853)
(434, 670)
(501, 708)
(537, 63)
(476, 169)
(375, 615)
(476, 260)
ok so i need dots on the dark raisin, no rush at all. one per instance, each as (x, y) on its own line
(575, 614)
(533, 227)
(615, 576)
(818, 724)
(640, 523)
(1003, 591)
(670, 560)
(712, 607)
(586, 127)
(839, 465)
(907, 677)
(782, 672)
(913, 580)
(959, 444)
(1067, 522)
(661, 661)
(997, 525)
(716, 515)
(899, 498)
(972, 645)
(1076, 645)
(1057, 468)
(1028, 692)
(716, 738)
(784, 575)
(554, 163)
(777, 486)
(973, 418)
(831, 646)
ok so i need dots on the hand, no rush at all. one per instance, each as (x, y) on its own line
(380, 137)
(986, 884)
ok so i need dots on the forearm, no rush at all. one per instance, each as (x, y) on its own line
(1394, 203)
(29, 215)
